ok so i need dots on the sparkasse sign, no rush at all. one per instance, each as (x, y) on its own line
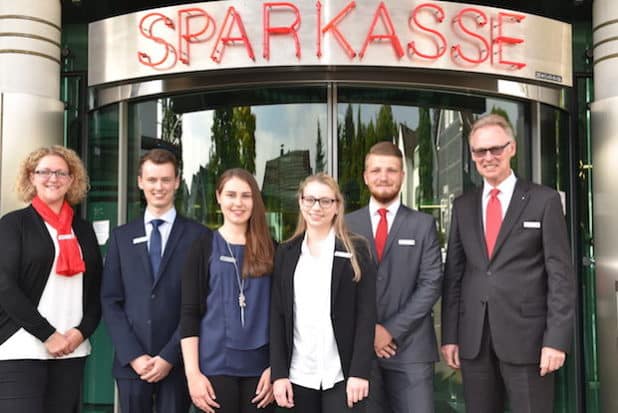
(408, 34)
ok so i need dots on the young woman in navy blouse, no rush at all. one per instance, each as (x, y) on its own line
(323, 308)
(225, 304)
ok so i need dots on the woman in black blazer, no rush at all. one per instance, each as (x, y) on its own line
(50, 272)
(323, 308)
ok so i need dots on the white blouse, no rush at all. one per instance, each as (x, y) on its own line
(315, 358)
(61, 304)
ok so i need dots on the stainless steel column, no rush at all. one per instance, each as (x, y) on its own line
(605, 173)
(30, 109)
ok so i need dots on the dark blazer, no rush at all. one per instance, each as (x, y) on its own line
(141, 314)
(27, 259)
(409, 281)
(353, 311)
(527, 288)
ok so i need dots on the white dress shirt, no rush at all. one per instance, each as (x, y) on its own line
(315, 358)
(165, 228)
(506, 188)
(375, 215)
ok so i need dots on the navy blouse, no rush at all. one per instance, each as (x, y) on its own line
(226, 346)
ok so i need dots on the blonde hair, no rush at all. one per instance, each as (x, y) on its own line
(341, 231)
(79, 187)
(493, 120)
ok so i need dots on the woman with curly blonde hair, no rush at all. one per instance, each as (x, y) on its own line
(50, 273)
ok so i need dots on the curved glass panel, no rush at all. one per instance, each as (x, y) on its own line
(277, 134)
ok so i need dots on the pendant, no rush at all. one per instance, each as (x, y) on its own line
(241, 300)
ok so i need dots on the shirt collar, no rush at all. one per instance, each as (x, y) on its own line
(326, 246)
(392, 207)
(506, 187)
(168, 217)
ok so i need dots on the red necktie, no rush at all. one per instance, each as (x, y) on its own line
(381, 233)
(493, 220)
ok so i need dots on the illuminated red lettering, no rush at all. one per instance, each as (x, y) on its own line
(146, 28)
(332, 27)
(292, 29)
(382, 14)
(502, 40)
(483, 49)
(225, 38)
(186, 36)
(437, 37)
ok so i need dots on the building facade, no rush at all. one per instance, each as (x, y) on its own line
(289, 89)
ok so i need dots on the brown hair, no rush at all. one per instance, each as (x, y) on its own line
(158, 157)
(341, 230)
(79, 187)
(493, 120)
(385, 148)
(259, 248)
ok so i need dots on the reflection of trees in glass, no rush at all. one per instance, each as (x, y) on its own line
(354, 142)
(171, 132)
(244, 130)
(233, 146)
(225, 149)
(320, 164)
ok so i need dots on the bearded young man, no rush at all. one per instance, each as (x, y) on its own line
(406, 250)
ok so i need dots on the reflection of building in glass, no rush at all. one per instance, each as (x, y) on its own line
(197, 197)
(281, 178)
(453, 169)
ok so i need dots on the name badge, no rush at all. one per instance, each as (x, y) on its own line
(139, 240)
(406, 242)
(532, 224)
(65, 236)
(343, 254)
(225, 258)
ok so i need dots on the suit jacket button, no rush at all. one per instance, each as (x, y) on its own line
(148, 322)
(153, 296)
(488, 272)
(380, 278)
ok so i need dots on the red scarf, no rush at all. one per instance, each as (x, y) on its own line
(70, 260)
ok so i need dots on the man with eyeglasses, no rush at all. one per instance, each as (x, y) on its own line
(405, 247)
(509, 291)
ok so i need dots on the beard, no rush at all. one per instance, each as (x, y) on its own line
(385, 199)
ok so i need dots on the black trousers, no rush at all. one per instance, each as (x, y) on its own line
(487, 379)
(234, 394)
(36, 386)
(169, 395)
(333, 400)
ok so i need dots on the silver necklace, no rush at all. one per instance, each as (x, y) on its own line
(242, 302)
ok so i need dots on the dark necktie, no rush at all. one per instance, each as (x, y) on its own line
(381, 233)
(155, 246)
(493, 220)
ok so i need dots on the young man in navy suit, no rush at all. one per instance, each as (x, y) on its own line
(509, 288)
(140, 294)
(405, 247)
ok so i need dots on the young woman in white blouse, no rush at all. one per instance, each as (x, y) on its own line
(323, 309)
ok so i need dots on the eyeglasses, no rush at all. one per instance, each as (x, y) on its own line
(309, 201)
(494, 150)
(47, 173)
